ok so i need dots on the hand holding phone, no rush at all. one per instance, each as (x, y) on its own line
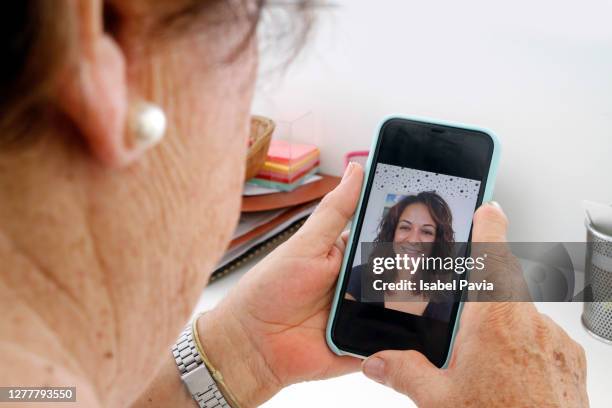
(269, 331)
(506, 354)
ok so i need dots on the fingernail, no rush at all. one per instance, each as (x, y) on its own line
(496, 205)
(374, 368)
(348, 171)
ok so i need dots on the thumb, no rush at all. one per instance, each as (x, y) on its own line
(503, 269)
(410, 373)
(490, 223)
(327, 222)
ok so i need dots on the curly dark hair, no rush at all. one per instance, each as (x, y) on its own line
(444, 239)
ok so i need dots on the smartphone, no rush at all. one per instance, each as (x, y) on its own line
(424, 181)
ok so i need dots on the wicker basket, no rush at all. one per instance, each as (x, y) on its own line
(259, 143)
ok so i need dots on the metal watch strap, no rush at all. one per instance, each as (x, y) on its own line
(194, 372)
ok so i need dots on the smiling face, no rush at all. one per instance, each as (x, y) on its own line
(415, 227)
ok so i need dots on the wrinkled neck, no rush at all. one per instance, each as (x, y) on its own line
(51, 281)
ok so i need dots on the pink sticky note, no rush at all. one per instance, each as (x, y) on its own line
(282, 151)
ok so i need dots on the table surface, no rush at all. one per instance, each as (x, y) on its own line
(355, 390)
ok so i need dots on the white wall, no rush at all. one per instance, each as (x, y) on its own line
(538, 73)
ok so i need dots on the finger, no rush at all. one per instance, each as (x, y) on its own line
(324, 226)
(490, 223)
(408, 372)
(488, 236)
(341, 366)
(502, 269)
(344, 236)
(341, 241)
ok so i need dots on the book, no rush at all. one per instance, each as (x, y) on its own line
(268, 219)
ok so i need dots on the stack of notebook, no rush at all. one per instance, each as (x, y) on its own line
(269, 218)
(287, 166)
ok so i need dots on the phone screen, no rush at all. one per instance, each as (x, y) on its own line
(424, 184)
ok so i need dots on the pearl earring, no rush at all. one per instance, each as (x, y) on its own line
(147, 125)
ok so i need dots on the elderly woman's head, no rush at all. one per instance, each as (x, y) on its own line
(73, 73)
(77, 71)
(78, 197)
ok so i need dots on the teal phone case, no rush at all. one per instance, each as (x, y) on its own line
(488, 194)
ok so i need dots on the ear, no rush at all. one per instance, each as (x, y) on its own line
(94, 93)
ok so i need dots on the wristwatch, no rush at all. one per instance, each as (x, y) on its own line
(194, 372)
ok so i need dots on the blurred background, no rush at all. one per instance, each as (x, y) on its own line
(537, 73)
